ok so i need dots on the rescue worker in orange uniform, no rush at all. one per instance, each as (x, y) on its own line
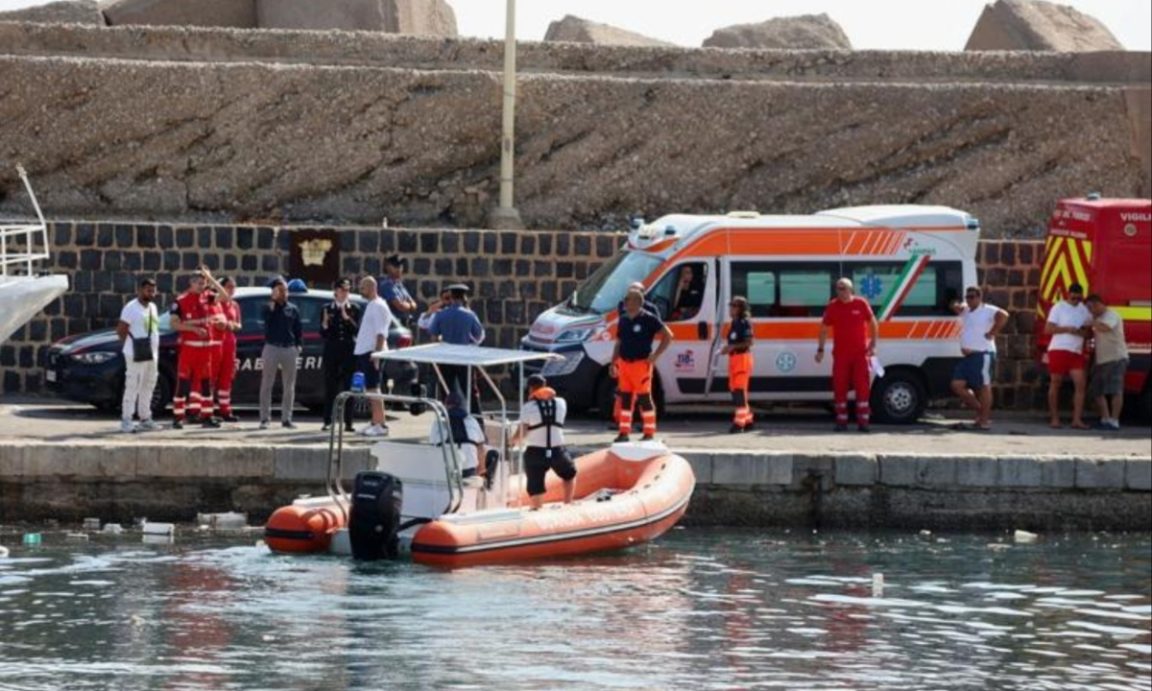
(224, 358)
(855, 333)
(632, 361)
(740, 363)
(194, 323)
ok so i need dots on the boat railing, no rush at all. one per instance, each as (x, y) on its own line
(449, 452)
(22, 245)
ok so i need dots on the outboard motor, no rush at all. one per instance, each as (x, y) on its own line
(375, 517)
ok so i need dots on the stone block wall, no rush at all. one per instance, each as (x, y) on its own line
(516, 275)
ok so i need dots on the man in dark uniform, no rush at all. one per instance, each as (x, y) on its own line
(339, 325)
(393, 291)
(632, 361)
(458, 325)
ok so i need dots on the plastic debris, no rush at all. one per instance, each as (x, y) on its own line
(159, 539)
(877, 585)
(92, 524)
(925, 533)
(112, 529)
(3, 552)
(32, 539)
(1024, 537)
(151, 528)
(223, 521)
(76, 537)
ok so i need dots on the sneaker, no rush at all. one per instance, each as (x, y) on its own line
(621, 439)
(148, 426)
(840, 428)
(288, 424)
(376, 431)
(735, 429)
(749, 427)
(177, 424)
(127, 427)
(648, 437)
(263, 424)
(349, 428)
(230, 417)
(864, 429)
(210, 422)
(327, 426)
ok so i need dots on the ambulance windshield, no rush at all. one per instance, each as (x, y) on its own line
(604, 289)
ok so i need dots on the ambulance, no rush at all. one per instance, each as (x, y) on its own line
(1104, 245)
(910, 262)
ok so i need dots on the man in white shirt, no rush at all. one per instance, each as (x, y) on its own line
(542, 429)
(139, 333)
(1069, 322)
(1107, 386)
(972, 378)
(371, 338)
(465, 431)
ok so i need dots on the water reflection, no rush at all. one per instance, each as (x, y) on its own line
(700, 609)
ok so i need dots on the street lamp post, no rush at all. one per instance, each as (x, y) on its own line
(506, 217)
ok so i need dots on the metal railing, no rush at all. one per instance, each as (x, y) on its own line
(19, 243)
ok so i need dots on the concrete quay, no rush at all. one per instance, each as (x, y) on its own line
(66, 463)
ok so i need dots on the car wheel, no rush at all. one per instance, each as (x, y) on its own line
(899, 398)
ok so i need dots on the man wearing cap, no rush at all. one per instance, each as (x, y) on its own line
(191, 319)
(339, 326)
(370, 338)
(466, 433)
(283, 343)
(393, 291)
(542, 429)
(632, 360)
(1069, 323)
(458, 325)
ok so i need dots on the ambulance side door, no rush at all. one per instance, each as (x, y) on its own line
(691, 315)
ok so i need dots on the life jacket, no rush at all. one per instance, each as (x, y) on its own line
(456, 419)
(545, 399)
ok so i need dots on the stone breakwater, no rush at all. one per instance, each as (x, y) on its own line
(516, 276)
(118, 482)
(200, 123)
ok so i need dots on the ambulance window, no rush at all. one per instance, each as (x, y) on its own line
(932, 293)
(804, 291)
(679, 295)
(760, 289)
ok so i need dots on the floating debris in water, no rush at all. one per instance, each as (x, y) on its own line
(76, 537)
(1025, 537)
(877, 585)
(92, 524)
(112, 529)
(3, 552)
(32, 539)
(151, 528)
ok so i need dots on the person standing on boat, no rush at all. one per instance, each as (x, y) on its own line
(393, 291)
(466, 433)
(632, 361)
(283, 343)
(372, 337)
(855, 333)
(740, 364)
(458, 325)
(542, 429)
(192, 321)
(339, 326)
(139, 332)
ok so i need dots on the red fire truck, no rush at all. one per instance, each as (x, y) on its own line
(1105, 245)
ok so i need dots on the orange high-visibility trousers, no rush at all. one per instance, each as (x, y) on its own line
(634, 381)
(739, 383)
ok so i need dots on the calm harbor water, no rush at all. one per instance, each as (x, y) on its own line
(701, 609)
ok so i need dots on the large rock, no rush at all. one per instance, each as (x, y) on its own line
(423, 17)
(1035, 25)
(807, 32)
(63, 12)
(573, 29)
(230, 13)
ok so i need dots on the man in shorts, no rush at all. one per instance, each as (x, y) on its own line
(1107, 387)
(372, 337)
(542, 426)
(972, 378)
(1069, 322)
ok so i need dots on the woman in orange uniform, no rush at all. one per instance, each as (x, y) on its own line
(739, 352)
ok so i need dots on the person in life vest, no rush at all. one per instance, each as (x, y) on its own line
(632, 360)
(466, 433)
(224, 357)
(542, 429)
(855, 332)
(194, 322)
(740, 364)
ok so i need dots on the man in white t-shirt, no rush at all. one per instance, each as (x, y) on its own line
(972, 378)
(1069, 323)
(371, 338)
(542, 429)
(465, 431)
(139, 333)
(1107, 385)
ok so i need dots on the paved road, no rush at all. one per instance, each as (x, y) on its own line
(808, 431)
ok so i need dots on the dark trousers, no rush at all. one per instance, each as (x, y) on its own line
(456, 377)
(339, 365)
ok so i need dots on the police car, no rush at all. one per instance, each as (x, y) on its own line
(89, 368)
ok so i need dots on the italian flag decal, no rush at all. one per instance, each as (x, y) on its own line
(898, 293)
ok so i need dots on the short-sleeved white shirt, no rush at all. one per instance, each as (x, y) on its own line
(1064, 314)
(376, 322)
(469, 453)
(530, 416)
(142, 320)
(1111, 346)
(977, 324)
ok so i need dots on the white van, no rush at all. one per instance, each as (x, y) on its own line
(911, 262)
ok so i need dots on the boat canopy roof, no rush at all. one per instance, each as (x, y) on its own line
(463, 356)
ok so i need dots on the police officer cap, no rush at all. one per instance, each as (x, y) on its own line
(459, 289)
(277, 281)
(297, 285)
(397, 261)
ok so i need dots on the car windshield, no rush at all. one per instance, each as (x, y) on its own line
(604, 289)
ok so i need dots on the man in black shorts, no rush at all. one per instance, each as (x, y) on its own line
(542, 427)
